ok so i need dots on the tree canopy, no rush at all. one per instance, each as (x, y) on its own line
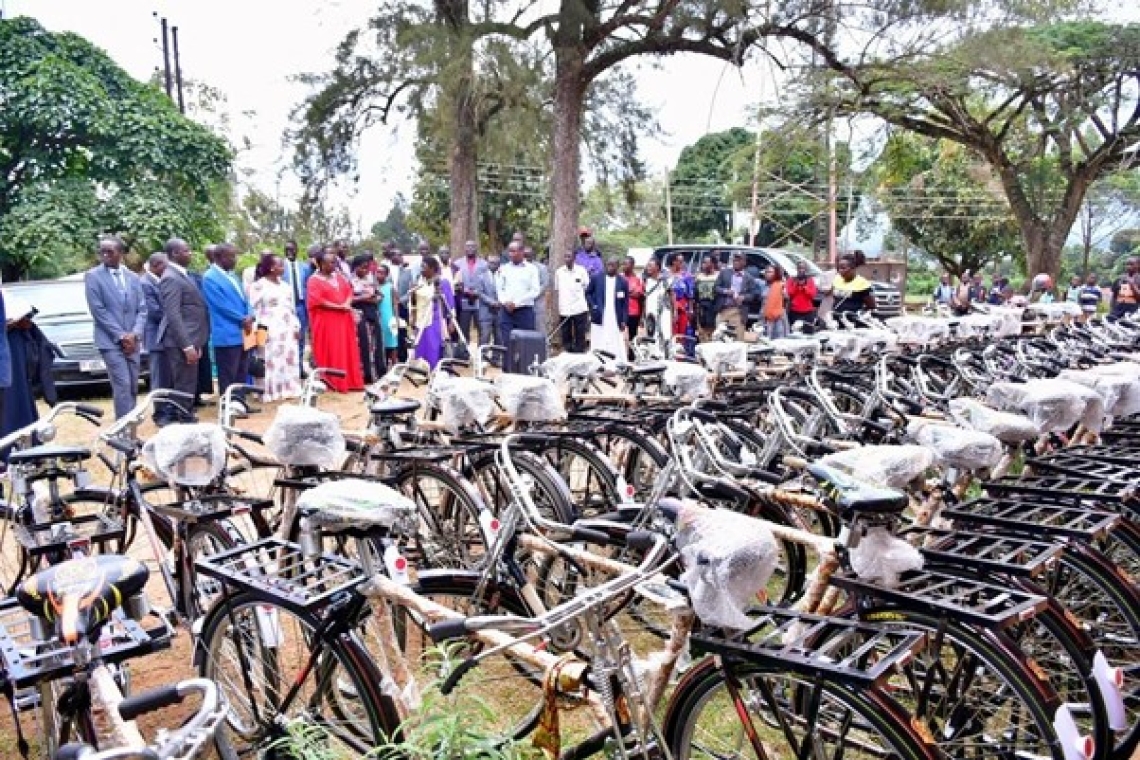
(84, 148)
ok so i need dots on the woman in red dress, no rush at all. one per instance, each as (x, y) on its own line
(333, 327)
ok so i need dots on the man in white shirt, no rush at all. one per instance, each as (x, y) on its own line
(518, 286)
(570, 283)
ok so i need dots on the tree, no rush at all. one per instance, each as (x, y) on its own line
(394, 227)
(701, 185)
(1035, 102)
(943, 200)
(85, 148)
(1125, 242)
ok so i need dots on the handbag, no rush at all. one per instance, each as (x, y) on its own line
(256, 365)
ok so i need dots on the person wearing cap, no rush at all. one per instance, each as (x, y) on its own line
(588, 256)
(118, 308)
(366, 301)
(736, 291)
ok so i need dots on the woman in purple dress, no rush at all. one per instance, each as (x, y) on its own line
(432, 306)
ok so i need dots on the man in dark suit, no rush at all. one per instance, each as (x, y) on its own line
(185, 329)
(736, 292)
(296, 276)
(469, 274)
(608, 297)
(152, 343)
(118, 309)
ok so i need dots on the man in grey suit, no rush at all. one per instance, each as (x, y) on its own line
(468, 274)
(402, 278)
(118, 308)
(152, 273)
(185, 330)
(489, 306)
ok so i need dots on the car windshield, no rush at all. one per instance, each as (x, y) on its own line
(53, 299)
(796, 258)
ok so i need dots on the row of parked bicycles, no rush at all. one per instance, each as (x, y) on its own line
(905, 540)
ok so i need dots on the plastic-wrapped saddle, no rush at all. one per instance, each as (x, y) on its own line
(919, 330)
(805, 346)
(1008, 427)
(724, 357)
(187, 455)
(686, 380)
(302, 436)
(728, 560)
(1129, 401)
(882, 558)
(1008, 320)
(355, 503)
(1054, 310)
(890, 466)
(956, 447)
(566, 365)
(1116, 389)
(464, 401)
(1053, 404)
(530, 399)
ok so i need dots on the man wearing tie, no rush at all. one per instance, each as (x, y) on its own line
(230, 319)
(152, 335)
(118, 308)
(184, 332)
(297, 276)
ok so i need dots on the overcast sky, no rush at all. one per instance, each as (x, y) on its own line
(250, 48)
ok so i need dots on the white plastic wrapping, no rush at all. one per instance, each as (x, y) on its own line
(1055, 310)
(889, 466)
(843, 344)
(1009, 320)
(687, 380)
(1008, 427)
(956, 447)
(1054, 405)
(724, 357)
(882, 558)
(1129, 401)
(977, 325)
(530, 399)
(355, 503)
(464, 401)
(186, 455)
(872, 335)
(795, 346)
(1117, 390)
(920, 330)
(728, 560)
(566, 365)
(301, 436)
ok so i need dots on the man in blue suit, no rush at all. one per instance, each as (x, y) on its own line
(608, 297)
(230, 318)
(152, 335)
(296, 276)
(118, 307)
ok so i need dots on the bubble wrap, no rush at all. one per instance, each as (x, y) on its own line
(1054, 405)
(871, 336)
(566, 365)
(186, 455)
(728, 560)
(302, 436)
(978, 325)
(1007, 427)
(724, 357)
(956, 447)
(687, 380)
(843, 344)
(464, 401)
(920, 330)
(1054, 310)
(890, 466)
(1117, 390)
(882, 558)
(355, 503)
(530, 399)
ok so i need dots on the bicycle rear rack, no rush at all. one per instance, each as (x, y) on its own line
(210, 508)
(28, 660)
(965, 600)
(1089, 462)
(838, 648)
(1041, 516)
(984, 552)
(280, 570)
(77, 533)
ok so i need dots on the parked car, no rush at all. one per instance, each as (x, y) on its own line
(888, 300)
(62, 315)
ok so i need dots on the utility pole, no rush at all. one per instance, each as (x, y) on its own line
(167, 79)
(178, 70)
(668, 208)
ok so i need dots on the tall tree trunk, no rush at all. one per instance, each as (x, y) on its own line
(458, 85)
(569, 101)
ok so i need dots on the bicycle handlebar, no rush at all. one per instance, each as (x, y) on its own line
(90, 413)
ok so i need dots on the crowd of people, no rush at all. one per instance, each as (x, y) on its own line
(1122, 296)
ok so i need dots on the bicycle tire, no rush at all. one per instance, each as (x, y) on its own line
(345, 683)
(199, 595)
(875, 713)
(449, 534)
(589, 475)
(638, 457)
(549, 491)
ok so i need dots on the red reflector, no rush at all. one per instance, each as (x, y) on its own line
(401, 564)
(495, 524)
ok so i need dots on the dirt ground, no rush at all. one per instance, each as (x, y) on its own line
(175, 663)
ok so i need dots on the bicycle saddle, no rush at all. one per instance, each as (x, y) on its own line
(646, 369)
(854, 496)
(80, 595)
(354, 504)
(395, 407)
(49, 451)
